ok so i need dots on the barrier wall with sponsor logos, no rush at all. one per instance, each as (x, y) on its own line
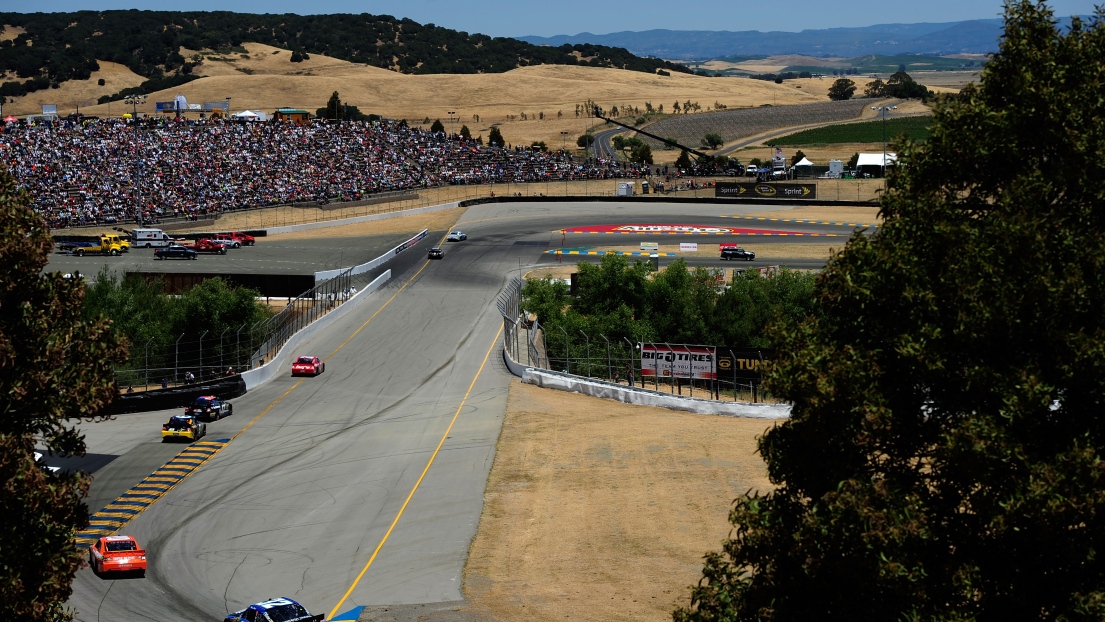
(751, 190)
(365, 267)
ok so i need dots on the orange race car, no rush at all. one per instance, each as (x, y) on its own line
(117, 554)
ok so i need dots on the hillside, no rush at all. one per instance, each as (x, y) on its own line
(498, 99)
(41, 50)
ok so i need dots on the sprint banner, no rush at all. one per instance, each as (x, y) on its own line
(751, 190)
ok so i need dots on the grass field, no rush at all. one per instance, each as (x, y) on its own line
(915, 128)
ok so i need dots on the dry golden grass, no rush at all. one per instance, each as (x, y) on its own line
(597, 510)
(81, 93)
(9, 32)
(548, 89)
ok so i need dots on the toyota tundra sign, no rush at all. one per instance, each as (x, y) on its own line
(677, 361)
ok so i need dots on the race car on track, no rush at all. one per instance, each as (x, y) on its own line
(456, 236)
(209, 407)
(183, 426)
(305, 365)
(436, 253)
(736, 252)
(117, 554)
(275, 610)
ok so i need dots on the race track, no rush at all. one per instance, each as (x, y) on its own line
(320, 470)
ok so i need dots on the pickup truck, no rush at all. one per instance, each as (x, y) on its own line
(115, 238)
(235, 239)
(207, 245)
(103, 247)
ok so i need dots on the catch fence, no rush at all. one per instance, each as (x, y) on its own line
(196, 358)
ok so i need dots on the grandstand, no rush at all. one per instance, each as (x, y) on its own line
(734, 125)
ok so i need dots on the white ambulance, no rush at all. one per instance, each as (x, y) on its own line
(150, 238)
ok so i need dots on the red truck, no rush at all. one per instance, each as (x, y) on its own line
(235, 239)
(207, 245)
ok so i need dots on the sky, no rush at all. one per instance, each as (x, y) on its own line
(500, 18)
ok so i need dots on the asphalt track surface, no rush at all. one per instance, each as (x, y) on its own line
(364, 485)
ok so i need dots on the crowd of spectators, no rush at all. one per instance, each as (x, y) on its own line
(104, 171)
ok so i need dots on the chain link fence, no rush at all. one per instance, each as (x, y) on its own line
(196, 358)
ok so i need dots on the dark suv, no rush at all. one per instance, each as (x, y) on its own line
(737, 253)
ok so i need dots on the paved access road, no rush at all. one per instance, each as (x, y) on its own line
(320, 468)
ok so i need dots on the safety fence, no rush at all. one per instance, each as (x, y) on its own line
(190, 358)
(619, 360)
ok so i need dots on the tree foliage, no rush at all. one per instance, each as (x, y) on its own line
(944, 460)
(712, 141)
(842, 89)
(142, 312)
(55, 366)
(438, 127)
(624, 301)
(495, 137)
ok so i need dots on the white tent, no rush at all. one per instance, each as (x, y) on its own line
(804, 162)
(250, 115)
(875, 159)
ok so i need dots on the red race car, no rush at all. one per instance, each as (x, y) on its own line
(117, 554)
(305, 365)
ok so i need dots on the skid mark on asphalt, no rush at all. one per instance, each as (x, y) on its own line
(808, 222)
(133, 502)
(429, 463)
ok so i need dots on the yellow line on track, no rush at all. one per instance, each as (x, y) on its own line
(418, 483)
(336, 350)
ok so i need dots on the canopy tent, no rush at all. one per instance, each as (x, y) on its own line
(250, 115)
(804, 162)
(10, 119)
(875, 159)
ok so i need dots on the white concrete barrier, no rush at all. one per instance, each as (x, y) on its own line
(646, 397)
(278, 364)
(326, 275)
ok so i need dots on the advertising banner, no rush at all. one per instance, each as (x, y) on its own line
(164, 106)
(742, 364)
(688, 246)
(411, 242)
(671, 229)
(210, 106)
(650, 246)
(677, 361)
(49, 108)
(752, 190)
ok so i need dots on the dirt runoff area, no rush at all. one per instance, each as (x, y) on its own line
(597, 510)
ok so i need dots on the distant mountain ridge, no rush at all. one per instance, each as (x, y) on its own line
(937, 39)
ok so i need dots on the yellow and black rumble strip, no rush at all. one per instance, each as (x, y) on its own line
(144, 494)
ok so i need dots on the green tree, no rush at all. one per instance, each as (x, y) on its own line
(641, 153)
(712, 141)
(54, 367)
(853, 161)
(585, 140)
(944, 456)
(875, 88)
(437, 127)
(495, 137)
(465, 132)
(797, 157)
(333, 107)
(684, 160)
(842, 89)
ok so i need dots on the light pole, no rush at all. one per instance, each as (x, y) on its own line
(883, 110)
(133, 101)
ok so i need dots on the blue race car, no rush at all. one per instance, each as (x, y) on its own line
(275, 610)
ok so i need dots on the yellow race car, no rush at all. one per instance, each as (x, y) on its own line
(183, 426)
